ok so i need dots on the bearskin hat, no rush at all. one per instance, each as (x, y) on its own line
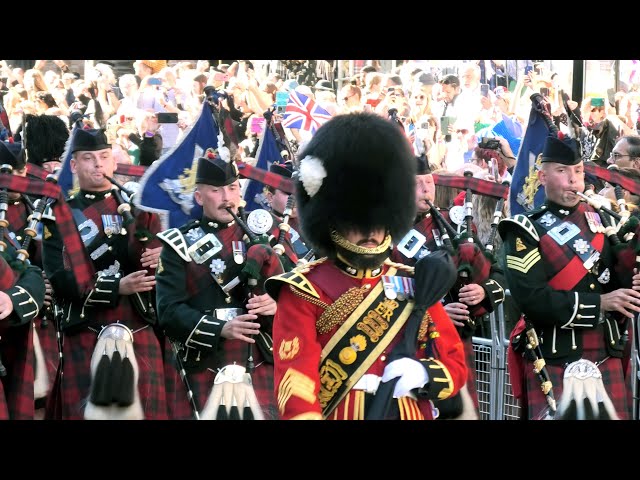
(357, 171)
(44, 138)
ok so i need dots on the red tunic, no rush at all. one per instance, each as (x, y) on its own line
(298, 346)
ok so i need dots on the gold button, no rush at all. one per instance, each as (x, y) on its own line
(578, 316)
(19, 238)
(82, 315)
(592, 286)
(228, 299)
(612, 342)
(109, 248)
(581, 306)
(574, 347)
(367, 286)
(197, 332)
(383, 358)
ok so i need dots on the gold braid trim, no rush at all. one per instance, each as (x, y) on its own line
(339, 311)
(401, 266)
(305, 267)
(352, 247)
(308, 298)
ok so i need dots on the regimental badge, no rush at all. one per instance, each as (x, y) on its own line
(47, 233)
(520, 245)
(160, 267)
(581, 246)
(217, 266)
(605, 276)
(548, 219)
(194, 234)
(238, 251)
(595, 222)
(289, 349)
(111, 224)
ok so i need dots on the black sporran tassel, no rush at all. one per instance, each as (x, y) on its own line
(126, 394)
(234, 413)
(116, 375)
(101, 385)
(247, 413)
(222, 413)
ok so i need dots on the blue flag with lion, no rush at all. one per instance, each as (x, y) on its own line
(168, 184)
(526, 193)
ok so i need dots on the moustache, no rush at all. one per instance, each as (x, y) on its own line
(367, 240)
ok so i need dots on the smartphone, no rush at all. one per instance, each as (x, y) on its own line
(444, 124)
(484, 89)
(544, 91)
(154, 81)
(528, 69)
(257, 125)
(167, 117)
(282, 98)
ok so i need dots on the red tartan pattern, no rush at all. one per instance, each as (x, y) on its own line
(594, 350)
(79, 260)
(476, 185)
(268, 178)
(77, 351)
(556, 256)
(16, 347)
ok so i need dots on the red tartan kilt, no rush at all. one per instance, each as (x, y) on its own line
(470, 357)
(201, 383)
(77, 351)
(593, 350)
(49, 343)
(16, 347)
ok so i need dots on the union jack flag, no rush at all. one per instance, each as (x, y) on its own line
(303, 113)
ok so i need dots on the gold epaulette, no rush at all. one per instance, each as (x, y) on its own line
(174, 238)
(298, 280)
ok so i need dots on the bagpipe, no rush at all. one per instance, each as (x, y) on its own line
(472, 258)
(433, 276)
(232, 396)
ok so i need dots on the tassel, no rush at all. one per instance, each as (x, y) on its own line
(101, 385)
(116, 375)
(222, 412)
(247, 413)
(126, 393)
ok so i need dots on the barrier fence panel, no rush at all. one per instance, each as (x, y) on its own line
(495, 396)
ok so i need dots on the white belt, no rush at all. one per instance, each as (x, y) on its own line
(368, 382)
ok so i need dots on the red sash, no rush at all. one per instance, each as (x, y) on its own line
(574, 271)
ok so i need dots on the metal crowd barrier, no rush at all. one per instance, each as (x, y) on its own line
(495, 397)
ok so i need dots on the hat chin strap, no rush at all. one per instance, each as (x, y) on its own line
(340, 241)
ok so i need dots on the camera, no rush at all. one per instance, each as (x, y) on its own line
(489, 143)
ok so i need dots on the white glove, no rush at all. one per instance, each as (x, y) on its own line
(411, 372)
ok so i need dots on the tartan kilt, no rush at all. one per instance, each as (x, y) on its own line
(201, 383)
(16, 346)
(594, 350)
(48, 337)
(77, 352)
